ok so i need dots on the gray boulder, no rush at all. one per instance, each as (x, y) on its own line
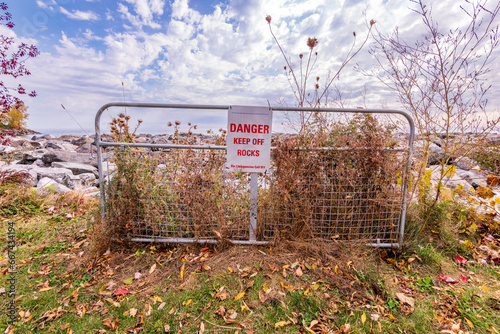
(47, 184)
(76, 168)
(79, 181)
(56, 174)
(60, 145)
(30, 157)
(63, 156)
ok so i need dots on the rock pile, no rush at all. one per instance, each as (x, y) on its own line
(61, 164)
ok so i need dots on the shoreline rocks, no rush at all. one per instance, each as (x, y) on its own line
(55, 164)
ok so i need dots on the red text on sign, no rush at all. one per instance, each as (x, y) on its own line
(241, 141)
(247, 153)
(249, 128)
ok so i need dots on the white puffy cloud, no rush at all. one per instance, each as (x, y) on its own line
(145, 10)
(80, 15)
(225, 57)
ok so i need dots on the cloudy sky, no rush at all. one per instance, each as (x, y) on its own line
(197, 52)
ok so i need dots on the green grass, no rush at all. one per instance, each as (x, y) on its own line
(357, 287)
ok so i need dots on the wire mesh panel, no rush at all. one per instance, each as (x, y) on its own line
(341, 187)
(176, 193)
(330, 196)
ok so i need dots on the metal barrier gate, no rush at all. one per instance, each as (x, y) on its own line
(179, 192)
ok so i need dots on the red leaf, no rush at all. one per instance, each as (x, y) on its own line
(123, 291)
(447, 279)
(460, 259)
(464, 278)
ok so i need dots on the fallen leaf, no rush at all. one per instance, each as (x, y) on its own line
(137, 275)
(152, 269)
(282, 323)
(171, 311)
(405, 299)
(186, 303)
(63, 327)
(182, 271)
(239, 295)
(469, 323)
(299, 272)
(113, 325)
(123, 291)
(128, 280)
(464, 278)
(345, 328)
(447, 279)
(132, 312)
(460, 259)
(115, 304)
(363, 318)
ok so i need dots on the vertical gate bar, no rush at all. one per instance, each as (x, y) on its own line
(253, 206)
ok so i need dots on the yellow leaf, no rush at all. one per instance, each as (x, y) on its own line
(282, 323)
(336, 268)
(469, 323)
(363, 318)
(182, 271)
(485, 288)
(447, 194)
(450, 171)
(265, 287)
(239, 295)
(497, 200)
(186, 303)
(230, 269)
(484, 192)
(392, 317)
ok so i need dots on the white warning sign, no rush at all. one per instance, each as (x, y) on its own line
(249, 138)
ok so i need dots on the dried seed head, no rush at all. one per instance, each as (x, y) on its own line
(312, 42)
(372, 22)
(317, 78)
(301, 56)
(284, 68)
(127, 117)
(121, 115)
(354, 33)
(177, 123)
(169, 124)
(317, 86)
(139, 121)
(268, 18)
(196, 127)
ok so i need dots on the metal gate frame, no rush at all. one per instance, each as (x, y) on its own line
(254, 176)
